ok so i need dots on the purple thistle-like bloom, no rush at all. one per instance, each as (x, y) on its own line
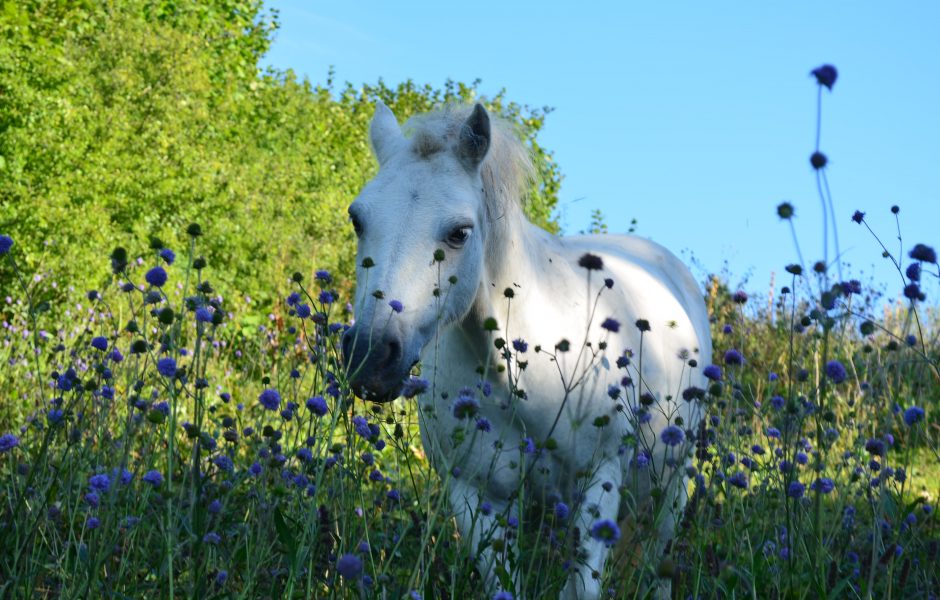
(8, 441)
(326, 297)
(93, 523)
(561, 511)
(611, 325)
(324, 276)
(6, 242)
(913, 271)
(317, 405)
(466, 405)
(270, 399)
(913, 415)
(99, 343)
(796, 490)
(413, 387)
(823, 485)
(591, 262)
(349, 566)
(912, 292)
(858, 216)
(100, 482)
(733, 357)
(303, 311)
(712, 372)
(167, 367)
(361, 426)
(168, 256)
(224, 463)
(483, 424)
(203, 315)
(255, 469)
(923, 253)
(212, 538)
(777, 402)
(875, 447)
(153, 477)
(739, 480)
(835, 371)
(396, 305)
(156, 277)
(739, 297)
(825, 75)
(605, 531)
(672, 435)
(520, 345)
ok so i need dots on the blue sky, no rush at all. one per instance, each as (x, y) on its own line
(695, 118)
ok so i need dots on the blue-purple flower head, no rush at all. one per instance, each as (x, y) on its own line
(349, 566)
(466, 405)
(672, 435)
(324, 276)
(317, 405)
(825, 75)
(712, 372)
(270, 399)
(796, 490)
(520, 345)
(6, 242)
(168, 256)
(561, 511)
(396, 305)
(823, 485)
(913, 415)
(913, 271)
(739, 479)
(858, 216)
(414, 386)
(153, 477)
(835, 371)
(167, 367)
(923, 253)
(733, 357)
(99, 343)
(611, 325)
(100, 482)
(326, 297)
(8, 441)
(156, 277)
(203, 315)
(606, 532)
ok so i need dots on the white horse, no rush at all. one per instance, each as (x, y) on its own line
(441, 231)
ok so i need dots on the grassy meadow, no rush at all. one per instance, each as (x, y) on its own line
(175, 417)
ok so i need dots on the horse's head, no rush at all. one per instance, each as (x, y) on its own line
(421, 224)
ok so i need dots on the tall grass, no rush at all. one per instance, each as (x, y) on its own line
(158, 440)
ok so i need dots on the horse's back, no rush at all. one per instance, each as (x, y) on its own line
(630, 252)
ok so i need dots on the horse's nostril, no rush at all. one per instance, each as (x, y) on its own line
(394, 352)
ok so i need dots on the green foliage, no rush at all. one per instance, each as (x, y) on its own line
(124, 121)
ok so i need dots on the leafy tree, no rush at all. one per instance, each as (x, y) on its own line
(126, 120)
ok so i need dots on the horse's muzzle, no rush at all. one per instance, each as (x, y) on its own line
(374, 364)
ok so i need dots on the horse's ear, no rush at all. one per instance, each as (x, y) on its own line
(384, 132)
(474, 138)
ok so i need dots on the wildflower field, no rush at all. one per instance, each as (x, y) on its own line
(160, 438)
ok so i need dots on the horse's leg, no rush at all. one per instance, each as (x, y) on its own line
(479, 528)
(598, 504)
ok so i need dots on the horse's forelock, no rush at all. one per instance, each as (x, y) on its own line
(507, 169)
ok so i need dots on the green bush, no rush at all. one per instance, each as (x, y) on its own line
(122, 122)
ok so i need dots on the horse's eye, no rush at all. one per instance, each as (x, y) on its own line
(459, 236)
(357, 225)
